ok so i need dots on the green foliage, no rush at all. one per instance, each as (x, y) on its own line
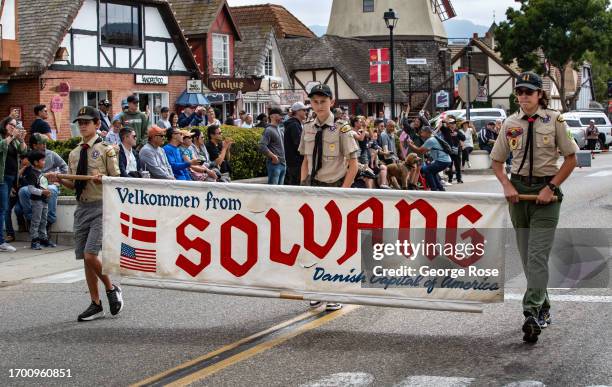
(601, 72)
(246, 160)
(63, 148)
(564, 30)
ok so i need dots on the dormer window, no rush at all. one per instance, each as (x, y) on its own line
(120, 25)
(368, 5)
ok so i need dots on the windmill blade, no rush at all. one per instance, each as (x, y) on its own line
(444, 9)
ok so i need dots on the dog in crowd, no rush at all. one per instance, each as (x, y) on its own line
(398, 173)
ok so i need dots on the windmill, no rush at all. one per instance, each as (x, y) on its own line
(444, 9)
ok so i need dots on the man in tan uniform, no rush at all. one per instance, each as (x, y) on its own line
(534, 135)
(92, 157)
(330, 151)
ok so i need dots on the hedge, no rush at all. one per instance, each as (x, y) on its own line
(247, 162)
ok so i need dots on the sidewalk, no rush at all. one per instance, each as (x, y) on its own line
(25, 264)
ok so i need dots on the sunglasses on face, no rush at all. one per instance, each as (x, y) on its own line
(159, 135)
(528, 92)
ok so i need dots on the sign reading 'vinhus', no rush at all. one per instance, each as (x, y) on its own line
(234, 85)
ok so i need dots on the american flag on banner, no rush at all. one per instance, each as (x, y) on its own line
(380, 65)
(138, 229)
(138, 259)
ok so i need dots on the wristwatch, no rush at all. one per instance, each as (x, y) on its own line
(552, 187)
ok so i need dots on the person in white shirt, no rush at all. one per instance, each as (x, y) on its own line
(164, 122)
(113, 136)
(248, 121)
(467, 128)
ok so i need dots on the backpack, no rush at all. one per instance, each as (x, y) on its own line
(446, 148)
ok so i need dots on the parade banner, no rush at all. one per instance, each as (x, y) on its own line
(380, 65)
(305, 243)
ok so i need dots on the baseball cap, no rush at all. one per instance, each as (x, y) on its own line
(276, 110)
(124, 103)
(298, 106)
(321, 89)
(186, 133)
(491, 123)
(132, 99)
(105, 102)
(155, 130)
(87, 113)
(38, 138)
(452, 121)
(529, 80)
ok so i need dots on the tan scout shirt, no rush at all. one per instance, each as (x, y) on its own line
(101, 159)
(551, 134)
(339, 145)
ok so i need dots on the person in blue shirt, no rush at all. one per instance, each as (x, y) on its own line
(440, 159)
(180, 167)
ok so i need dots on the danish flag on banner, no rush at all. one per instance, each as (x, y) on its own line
(138, 229)
(380, 65)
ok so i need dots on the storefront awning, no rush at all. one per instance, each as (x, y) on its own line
(192, 99)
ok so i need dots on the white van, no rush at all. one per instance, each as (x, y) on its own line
(578, 120)
(481, 114)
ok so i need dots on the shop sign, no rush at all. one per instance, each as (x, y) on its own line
(57, 104)
(151, 79)
(194, 86)
(234, 85)
(63, 89)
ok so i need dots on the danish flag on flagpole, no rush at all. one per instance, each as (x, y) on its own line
(138, 229)
(380, 65)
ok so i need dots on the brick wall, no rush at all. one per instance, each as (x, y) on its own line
(27, 93)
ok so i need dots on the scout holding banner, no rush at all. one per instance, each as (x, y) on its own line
(304, 242)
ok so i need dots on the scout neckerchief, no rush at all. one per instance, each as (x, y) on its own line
(529, 147)
(79, 185)
(317, 155)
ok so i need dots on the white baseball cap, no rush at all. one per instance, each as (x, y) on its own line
(298, 106)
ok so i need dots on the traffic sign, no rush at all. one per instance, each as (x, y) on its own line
(463, 86)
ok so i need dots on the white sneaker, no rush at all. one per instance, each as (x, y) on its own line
(5, 247)
(446, 183)
(469, 164)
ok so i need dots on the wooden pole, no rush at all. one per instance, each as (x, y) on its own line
(532, 198)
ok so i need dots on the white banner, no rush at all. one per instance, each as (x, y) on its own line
(296, 242)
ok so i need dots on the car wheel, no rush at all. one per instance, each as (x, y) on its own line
(598, 145)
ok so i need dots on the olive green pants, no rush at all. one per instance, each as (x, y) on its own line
(535, 227)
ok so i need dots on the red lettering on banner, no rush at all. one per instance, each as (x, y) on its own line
(353, 225)
(405, 218)
(250, 229)
(335, 218)
(452, 222)
(276, 254)
(198, 244)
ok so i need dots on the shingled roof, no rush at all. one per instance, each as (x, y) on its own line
(197, 16)
(250, 53)
(285, 24)
(43, 25)
(350, 58)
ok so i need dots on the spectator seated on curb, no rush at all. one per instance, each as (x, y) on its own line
(152, 156)
(129, 163)
(190, 152)
(54, 164)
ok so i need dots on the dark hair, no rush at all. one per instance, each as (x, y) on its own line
(172, 117)
(211, 130)
(125, 132)
(197, 133)
(35, 155)
(229, 120)
(164, 110)
(169, 133)
(261, 117)
(39, 108)
(3, 124)
(242, 112)
(544, 99)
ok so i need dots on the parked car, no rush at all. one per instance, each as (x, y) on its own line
(578, 121)
(480, 115)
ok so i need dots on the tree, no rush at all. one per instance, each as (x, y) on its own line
(547, 33)
(601, 72)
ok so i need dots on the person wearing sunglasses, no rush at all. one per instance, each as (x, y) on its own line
(534, 136)
(152, 156)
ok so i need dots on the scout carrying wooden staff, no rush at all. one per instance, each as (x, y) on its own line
(534, 135)
(90, 160)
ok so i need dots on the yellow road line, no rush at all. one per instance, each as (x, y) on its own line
(201, 374)
(238, 357)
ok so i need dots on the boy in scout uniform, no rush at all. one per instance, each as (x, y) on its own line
(92, 157)
(534, 136)
(328, 149)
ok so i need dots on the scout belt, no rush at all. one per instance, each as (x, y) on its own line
(534, 179)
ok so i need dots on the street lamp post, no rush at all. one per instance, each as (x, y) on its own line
(391, 17)
(468, 52)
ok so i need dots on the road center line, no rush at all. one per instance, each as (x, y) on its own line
(243, 349)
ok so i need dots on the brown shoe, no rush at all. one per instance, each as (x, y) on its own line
(10, 238)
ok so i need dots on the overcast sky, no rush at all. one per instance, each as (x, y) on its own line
(317, 11)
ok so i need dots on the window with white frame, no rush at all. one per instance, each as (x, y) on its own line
(269, 64)
(220, 58)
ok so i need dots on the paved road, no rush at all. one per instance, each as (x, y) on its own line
(213, 340)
